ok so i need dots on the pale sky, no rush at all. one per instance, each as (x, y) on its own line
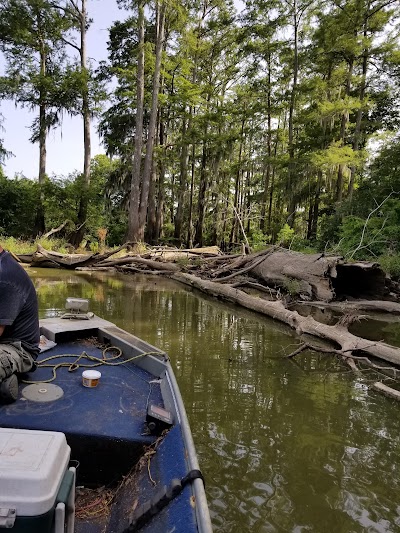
(65, 144)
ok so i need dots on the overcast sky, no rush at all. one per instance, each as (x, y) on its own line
(65, 144)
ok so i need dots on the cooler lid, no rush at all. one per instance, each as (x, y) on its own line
(32, 465)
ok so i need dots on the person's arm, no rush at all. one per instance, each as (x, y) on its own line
(1, 330)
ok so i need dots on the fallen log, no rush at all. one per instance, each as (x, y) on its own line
(25, 258)
(383, 306)
(66, 260)
(315, 276)
(387, 391)
(42, 256)
(242, 271)
(154, 265)
(346, 343)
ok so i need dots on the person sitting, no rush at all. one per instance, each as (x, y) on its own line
(19, 325)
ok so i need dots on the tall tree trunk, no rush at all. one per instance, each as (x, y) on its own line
(201, 199)
(224, 223)
(343, 127)
(292, 202)
(134, 197)
(272, 187)
(161, 181)
(84, 199)
(183, 177)
(148, 162)
(313, 212)
(267, 168)
(190, 223)
(357, 131)
(39, 222)
(233, 233)
(151, 212)
(247, 217)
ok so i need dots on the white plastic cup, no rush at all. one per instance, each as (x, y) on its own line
(90, 378)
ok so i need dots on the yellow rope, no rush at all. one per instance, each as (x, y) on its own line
(77, 364)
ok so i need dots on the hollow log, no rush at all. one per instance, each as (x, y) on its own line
(315, 276)
(339, 335)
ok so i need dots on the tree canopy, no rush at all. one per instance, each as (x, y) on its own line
(278, 123)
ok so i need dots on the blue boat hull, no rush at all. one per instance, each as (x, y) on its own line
(120, 463)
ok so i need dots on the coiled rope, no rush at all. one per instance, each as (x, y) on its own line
(72, 367)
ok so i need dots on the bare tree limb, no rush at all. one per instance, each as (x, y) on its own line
(56, 230)
(366, 224)
(241, 227)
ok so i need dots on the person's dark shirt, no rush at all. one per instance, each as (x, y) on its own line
(18, 305)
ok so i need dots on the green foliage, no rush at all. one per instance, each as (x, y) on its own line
(18, 200)
(391, 264)
(302, 245)
(31, 40)
(285, 236)
(378, 235)
(52, 243)
(258, 240)
(183, 261)
(292, 286)
(278, 128)
(337, 154)
(16, 246)
(94, 247)
(19, 246)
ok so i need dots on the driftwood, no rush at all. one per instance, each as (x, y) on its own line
(380, 306)
(42, 256)
(157, 265)
(315, 276)
(25, 258)
(387, 391)
(303, 277)
(274, 273)
(339, 335)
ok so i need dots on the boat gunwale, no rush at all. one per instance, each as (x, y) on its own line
(158, 364)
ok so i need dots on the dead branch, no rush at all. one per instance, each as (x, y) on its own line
(246, 269)
(347, 342)
(358, 247)
(154, 265)
(254, 285)
(357, 305)
(56, 230)
(388, 391)
(248, 259)
(351, 361)
(301, 348)
(241, 227)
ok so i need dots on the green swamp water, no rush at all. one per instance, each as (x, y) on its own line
(285, 445)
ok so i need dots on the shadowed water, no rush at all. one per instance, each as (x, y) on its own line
(285, 445)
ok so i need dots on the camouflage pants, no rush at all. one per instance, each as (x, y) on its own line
(13, 359)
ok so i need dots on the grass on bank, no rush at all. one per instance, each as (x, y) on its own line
(18, 246)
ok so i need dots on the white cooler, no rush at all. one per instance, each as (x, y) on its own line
(34, 478)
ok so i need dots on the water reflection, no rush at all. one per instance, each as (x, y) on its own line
(285, 445)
